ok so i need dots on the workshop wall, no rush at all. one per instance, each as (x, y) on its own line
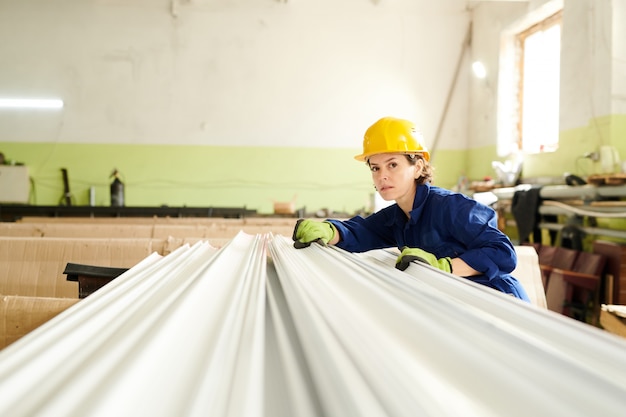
(592, 104)
(199, 176)
(201, 97)
(178, 94)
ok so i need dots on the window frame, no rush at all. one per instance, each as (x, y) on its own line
(509, 99)
(520, 39)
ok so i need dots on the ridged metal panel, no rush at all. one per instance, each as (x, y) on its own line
(259, 328)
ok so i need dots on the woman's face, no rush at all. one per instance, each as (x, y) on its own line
(394, 176)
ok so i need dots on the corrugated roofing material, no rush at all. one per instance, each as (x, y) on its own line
(258, 328)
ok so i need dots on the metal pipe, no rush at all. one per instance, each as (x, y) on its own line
(584, 192)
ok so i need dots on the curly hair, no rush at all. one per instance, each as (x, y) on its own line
(427, 172)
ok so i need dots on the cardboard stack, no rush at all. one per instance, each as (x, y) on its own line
(34, 267)
(21, 314)
(32, 284)
(218, 230)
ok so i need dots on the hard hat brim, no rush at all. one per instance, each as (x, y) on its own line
(363, 157)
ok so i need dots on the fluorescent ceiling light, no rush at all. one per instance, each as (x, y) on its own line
(30, 103)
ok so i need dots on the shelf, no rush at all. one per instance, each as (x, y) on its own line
(13, 212)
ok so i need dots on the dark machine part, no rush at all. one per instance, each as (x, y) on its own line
(66, 188)
(574, 180)
(90, 277)
(117, 190)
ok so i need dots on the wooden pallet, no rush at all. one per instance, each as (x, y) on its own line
(607, 179)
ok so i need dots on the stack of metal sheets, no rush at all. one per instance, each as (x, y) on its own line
(258, 328)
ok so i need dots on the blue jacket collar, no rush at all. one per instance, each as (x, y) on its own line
(399, 217)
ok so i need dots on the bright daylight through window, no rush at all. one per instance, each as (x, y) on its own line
(538, 120)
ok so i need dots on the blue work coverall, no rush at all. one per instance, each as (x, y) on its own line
(444, 223)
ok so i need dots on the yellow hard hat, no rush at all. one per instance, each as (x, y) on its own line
(391, 135)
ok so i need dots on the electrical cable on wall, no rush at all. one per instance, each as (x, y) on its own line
(464, 47)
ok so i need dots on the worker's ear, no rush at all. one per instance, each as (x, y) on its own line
(419, 167)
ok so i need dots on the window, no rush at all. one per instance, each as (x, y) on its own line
(529, 82)
(538, 91)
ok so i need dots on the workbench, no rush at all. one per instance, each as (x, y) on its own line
(14, 212)
(589, 201)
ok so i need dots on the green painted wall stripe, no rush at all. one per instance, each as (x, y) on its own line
(199, 176)
(223, 176)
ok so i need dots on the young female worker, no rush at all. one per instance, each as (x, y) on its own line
(429, 224)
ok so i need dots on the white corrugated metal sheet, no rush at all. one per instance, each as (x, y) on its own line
(258, 328)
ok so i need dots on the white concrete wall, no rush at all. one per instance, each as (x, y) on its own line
(490, 19)
(618, 68)
(585, 62)
(593, 61)
(218, 72)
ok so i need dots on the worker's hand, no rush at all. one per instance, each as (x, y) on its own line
(308, 231)
(409, 255)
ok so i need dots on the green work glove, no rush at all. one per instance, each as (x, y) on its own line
(308, 231)
(409, 255)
